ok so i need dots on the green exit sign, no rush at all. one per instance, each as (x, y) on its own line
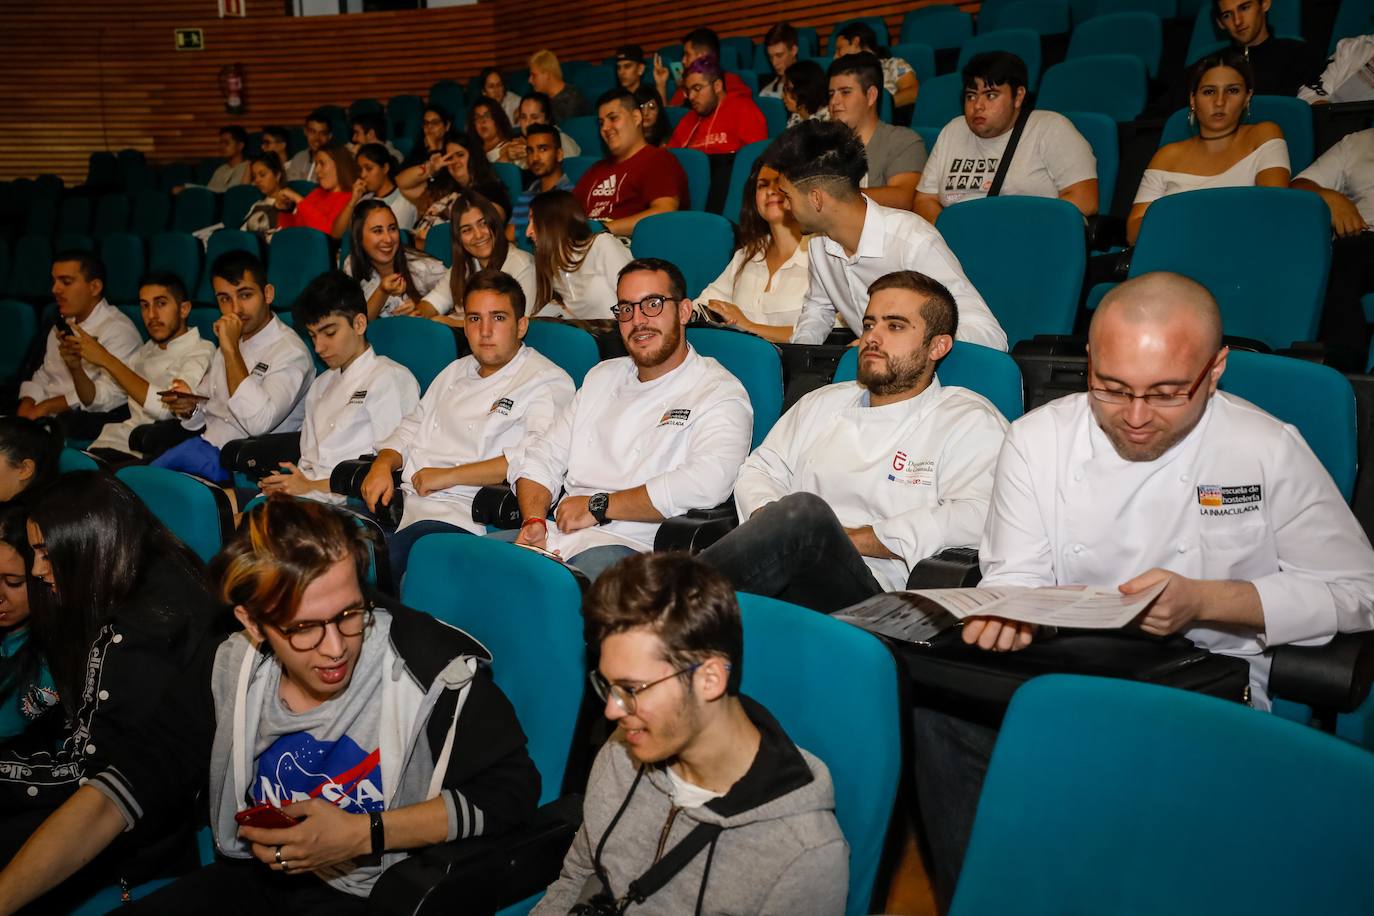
(190, 40)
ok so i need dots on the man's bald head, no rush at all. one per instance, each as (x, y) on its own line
(1162, 302)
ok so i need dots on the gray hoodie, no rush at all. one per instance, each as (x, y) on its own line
(780, 852)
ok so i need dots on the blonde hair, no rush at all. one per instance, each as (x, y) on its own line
(545, 61)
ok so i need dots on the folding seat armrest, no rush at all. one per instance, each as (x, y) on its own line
(152, 439)
(347, 480)
(1343, 359)
(258, 456)
(483, 874)
(496, 506)
(697, 529)
(1332, 679)
(954, 567)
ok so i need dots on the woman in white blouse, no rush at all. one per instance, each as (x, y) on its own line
(489, 126)
(576, 269)
(395, 279)
(479, 242)
(762, 288)
(1225, 153)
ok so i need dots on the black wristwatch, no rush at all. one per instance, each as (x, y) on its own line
(597, 506)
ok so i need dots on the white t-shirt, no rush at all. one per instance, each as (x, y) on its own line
(405, 211)
(1051, 156)
(1349, 74)
(519, 265)
(1157, 183)
(775, 300)
(589, 291)
(1348, 168)
(687, 794)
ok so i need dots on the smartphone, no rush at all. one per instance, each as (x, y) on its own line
(267, 817)
(64, 329)
(172, 392)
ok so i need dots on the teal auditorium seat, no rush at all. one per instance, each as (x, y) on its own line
(439, 242)
(940, 101)
(302, 186)
(1041, 231)
(40, 217)
(74, 460)
(203, 319)
(222, 242)
(544, 677)
(576, 166)
(111, 214)
(983, 370)
(1110, 84)
(774, 114)
(569, 347)
(585, 131)
(31, 270)
(296, 256)
(876, 23)
(921, 57)
(1024, 43)
(712, 244)
(122, 253)
(698, 169)
(449, 95)
(21, 326)
(739, 177)
(424, 347)
(785, 650)
(1044, 17)
(194, 208)
(1164, 9)
(941, 26)
(1101, 133)
(195, 511)
(1213, 235)
(1293, 116)
(1140, 34)
(237, 201)
(178, 252)
(74, 216)
(755, 362)
(135, 314)
(510, 177)
(152, 211)
(1113, 796)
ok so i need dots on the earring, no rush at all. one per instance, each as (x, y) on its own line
(1192, 116)
(1247, 111)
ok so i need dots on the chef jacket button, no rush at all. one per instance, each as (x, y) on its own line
(1183, 478)
(1078, 476)
(1077, 548)
(1182, 548)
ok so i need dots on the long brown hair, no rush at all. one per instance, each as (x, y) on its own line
(562, 238)
(754, 233)
(458, 274)
(360, 265)
(345, 166)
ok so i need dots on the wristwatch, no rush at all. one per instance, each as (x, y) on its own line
(597, 506)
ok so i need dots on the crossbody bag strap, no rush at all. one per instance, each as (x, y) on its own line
(1005, 165)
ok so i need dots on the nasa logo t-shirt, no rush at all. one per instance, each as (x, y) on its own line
(330, 752)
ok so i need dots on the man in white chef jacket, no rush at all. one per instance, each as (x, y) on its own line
(1155, 476)
(861, 480)
(855, 240)
(648, 436)
(355, 403)
(470, 421)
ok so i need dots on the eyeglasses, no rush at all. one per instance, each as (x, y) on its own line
(649, 307)
(649, 104)
(1157, 399)
(625, 697)
(304, 637)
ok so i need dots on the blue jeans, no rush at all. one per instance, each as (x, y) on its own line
(194, 456)
(398, 545)
(592, 562)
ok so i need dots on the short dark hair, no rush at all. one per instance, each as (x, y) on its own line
(868, 39)
(238, 133)
(1229, 56)
(863, 66)
(167, 279)
(677, 283)
(938, 311)
(784, 33)
(687, 604)
(629, 52)
(276, 130)
(703, 38)
(232, 265)
(995, 68)
(545, 129)
(331, 293)
(619, 94)
(271, 162)
(321, 116)
(39, 441)
(809, 85)
(818, 151)
(544, 102)
(491, 280)
(370, 121)
(708, 65)
(379, 155)
(90, 265)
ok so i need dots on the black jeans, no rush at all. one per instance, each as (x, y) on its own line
(1352, 275)
(795, 550)
(950, 756)
(239, 887)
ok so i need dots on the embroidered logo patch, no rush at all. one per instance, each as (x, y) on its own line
(675, 417)
(1218, 500)
(502, 406)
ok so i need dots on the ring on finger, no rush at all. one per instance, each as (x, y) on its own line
(277, 856)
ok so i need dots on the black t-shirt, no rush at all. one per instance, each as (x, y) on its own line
(1282, 65)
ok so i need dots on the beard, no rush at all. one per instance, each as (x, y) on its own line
(895, 375)
(671, 338)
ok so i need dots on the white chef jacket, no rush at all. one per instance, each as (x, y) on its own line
(519, 266)
(348, 412)
(1240, 497)
(270, 400)
(464, 418)
(683, 435)
(919, 471)
(116, 333)
(427, 272)
(186, 357)
(891, 240)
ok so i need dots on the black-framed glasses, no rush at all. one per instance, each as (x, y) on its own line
(1154, 399)
(649, 307)
(306, 636)
(625, 697)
